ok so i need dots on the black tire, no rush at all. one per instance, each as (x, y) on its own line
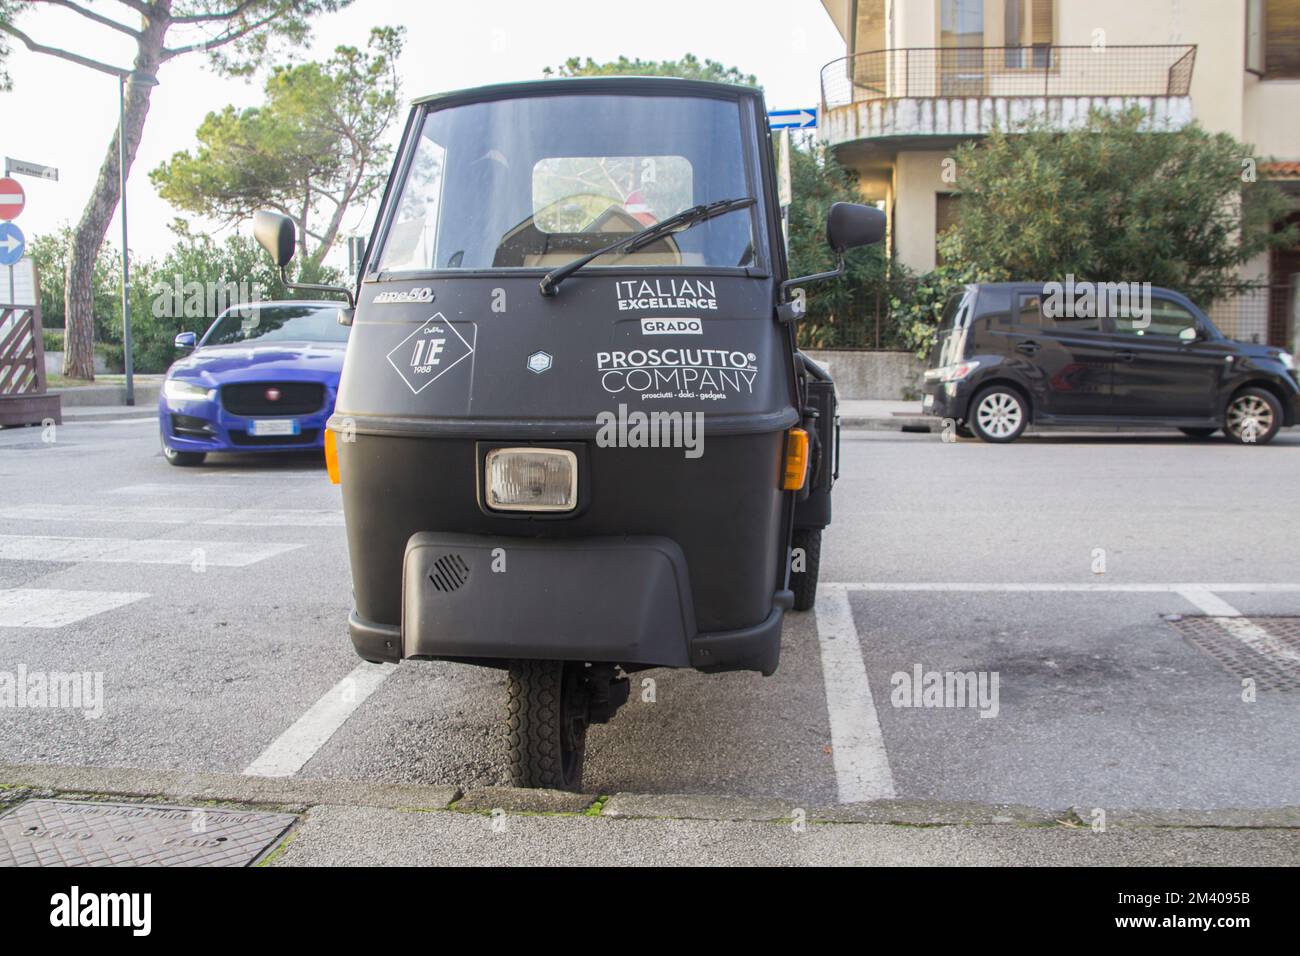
(1004, 419)
(1253, 417)
(183, 459)
(547, 724)
(804, 583)
(1198, 432)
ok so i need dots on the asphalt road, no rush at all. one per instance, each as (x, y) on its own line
(214, 602)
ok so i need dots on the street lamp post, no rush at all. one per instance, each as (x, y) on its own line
(143, 79)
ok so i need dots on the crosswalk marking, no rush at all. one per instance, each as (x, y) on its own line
(206, 488)
(51, 607)
(225, 554)
(149, 514)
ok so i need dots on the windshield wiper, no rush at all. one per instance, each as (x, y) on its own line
(678, 223)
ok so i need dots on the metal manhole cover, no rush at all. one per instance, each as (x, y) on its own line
(70, 833)
(1265, 649)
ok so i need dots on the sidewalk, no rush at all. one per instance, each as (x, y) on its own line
(358, 823)
(856, 413)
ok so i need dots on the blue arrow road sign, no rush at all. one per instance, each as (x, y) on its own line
(12, 244)
(792, 119)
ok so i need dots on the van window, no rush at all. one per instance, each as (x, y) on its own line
(534, 182)
(1166, 320)
(1032, 312)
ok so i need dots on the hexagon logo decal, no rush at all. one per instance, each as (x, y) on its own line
(539, 362)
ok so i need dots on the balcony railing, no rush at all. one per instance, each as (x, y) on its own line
(1008, 71)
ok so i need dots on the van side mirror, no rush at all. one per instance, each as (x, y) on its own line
(1189, 335)
(850, 225)
(276, 234)
(185, 340)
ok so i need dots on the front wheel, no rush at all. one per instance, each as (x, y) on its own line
(1000, 414)
(805, 566)
(547, 708)
(1254, 417)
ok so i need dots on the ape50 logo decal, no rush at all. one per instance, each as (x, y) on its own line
(430, 352)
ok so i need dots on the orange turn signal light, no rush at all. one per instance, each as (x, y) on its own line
(796, 459)
(332, 456)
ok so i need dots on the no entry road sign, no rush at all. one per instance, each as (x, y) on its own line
(12, 199)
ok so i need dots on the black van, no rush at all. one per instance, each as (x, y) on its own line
(1014, 353)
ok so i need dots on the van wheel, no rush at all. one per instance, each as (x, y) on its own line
(183, 459)
(1253, 417)
(804, 583)
(999, 414)
(547, 721)
(1198, 432)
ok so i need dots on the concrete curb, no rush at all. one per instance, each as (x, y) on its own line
(146, 393)
(22, 781)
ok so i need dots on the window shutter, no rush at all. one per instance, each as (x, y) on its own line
(1042, 22)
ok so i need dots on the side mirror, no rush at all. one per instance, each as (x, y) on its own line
(276, 234)
(850, 225)
(1189, 335)
(186, 340)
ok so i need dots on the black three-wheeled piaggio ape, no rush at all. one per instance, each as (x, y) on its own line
(575, 436)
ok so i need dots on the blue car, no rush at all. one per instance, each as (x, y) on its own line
(262, 379)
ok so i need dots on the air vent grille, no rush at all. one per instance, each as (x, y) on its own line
(449, 573)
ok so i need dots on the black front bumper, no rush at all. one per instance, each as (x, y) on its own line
(625, 600)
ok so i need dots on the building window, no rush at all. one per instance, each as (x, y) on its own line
(1043, 32)
(1282, 39)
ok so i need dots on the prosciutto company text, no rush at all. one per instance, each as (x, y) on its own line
(708, 374)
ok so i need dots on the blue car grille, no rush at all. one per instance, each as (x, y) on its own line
(273, 398)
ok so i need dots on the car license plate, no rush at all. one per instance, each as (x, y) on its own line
(273, 426)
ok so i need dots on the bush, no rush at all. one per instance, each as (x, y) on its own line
(52, 340)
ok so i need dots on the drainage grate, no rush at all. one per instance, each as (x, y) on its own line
(68, 833)
(1265, 649)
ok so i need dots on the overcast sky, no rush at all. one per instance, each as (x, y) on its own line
(62, 115)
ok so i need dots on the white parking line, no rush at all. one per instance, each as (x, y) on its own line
(149, 514)
(289, 752)
(51, 607)
(1234, 587)
(1209, 603)
(857, 746)
(223, 554)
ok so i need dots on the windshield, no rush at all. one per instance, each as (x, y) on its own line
(299, 323)
(536, 182)
(950, 336)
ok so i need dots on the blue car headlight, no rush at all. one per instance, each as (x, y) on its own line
(176, 390)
